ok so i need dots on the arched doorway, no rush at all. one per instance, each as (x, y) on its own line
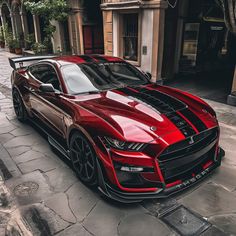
(30, 22)
(27, 27)
(6, 16)
(65, 36)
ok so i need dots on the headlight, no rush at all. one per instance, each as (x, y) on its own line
(121, 145)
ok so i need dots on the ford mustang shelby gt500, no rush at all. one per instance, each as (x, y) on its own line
(132, 138)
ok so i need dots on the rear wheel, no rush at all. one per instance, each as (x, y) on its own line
(83, 159)
(19, 106)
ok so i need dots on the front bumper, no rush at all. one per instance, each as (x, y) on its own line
(129, 197)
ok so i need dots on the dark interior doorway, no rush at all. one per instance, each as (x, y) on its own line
(6, 15)
(66, 47)
(208, 51)
(215, 86)
(93, 28)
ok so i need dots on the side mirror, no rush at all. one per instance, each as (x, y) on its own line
(149, 75)
(46, 88)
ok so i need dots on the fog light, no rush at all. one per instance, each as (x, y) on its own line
(131, 169)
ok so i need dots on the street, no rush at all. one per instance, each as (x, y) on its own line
(40, 194)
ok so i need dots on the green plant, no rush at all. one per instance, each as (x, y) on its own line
(16, 43)
(10, 40)
(48, 10)
(29, 40)
(38, 48)
(8, 35)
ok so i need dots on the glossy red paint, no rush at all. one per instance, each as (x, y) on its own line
(173, 184)
(118, 115)
(206, 165)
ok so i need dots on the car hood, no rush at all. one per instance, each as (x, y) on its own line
(139, 114)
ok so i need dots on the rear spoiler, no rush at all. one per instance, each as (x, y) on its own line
(14, 60)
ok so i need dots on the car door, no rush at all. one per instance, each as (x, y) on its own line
(46, 106)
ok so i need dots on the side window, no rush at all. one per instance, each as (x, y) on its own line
(46, 74)
(35, 71)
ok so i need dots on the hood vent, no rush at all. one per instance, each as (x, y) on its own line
(200, 126)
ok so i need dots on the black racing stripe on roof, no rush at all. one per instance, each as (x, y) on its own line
(194, 119)
(87, 58)
(100, 59)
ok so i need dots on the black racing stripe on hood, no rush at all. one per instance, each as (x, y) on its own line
(195, 121)
(163, 103)
(185, 128)
(158, 100)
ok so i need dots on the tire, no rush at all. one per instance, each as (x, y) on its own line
(19, 106)
(83, 159)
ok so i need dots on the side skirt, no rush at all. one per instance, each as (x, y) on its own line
(53, 141)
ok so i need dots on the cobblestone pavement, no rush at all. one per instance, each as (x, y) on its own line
(42, 196)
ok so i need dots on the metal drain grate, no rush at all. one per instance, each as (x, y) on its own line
(185, 222)
(26, 189)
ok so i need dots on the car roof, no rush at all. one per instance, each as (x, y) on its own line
(79, 59)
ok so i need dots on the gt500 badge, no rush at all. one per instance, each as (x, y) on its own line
(193, 179)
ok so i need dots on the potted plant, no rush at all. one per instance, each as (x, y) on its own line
(2, 39)
(29, 41)
(39, 48)
(17, 47)
(10, 42)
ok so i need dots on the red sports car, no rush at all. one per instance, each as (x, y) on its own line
(132, 138)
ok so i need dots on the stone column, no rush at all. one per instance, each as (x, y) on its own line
(24, 24)
(79, 31)
(3, 20)
(108, 31)
(12, 15)
(37, 29)
(158, 40)
(57, 39)
(18, 25)
(75, 31)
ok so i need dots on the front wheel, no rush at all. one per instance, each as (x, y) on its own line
(83, 159)
(19, 106)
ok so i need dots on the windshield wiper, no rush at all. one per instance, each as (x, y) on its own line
(89, 92)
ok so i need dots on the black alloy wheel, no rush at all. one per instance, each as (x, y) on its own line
(19, 106)
(83, 159)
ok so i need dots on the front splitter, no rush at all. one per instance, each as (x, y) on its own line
(127, 197)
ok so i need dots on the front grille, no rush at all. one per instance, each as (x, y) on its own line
(182, 159)
(159, 101)
(186, 170)
(189, 145)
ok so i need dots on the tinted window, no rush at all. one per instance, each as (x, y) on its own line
(104, 76)
(46, 74)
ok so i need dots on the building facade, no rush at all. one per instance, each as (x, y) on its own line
(162, 37)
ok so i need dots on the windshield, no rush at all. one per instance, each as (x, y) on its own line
(94, 77)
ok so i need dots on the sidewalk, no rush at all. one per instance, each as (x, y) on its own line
(46, 198)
